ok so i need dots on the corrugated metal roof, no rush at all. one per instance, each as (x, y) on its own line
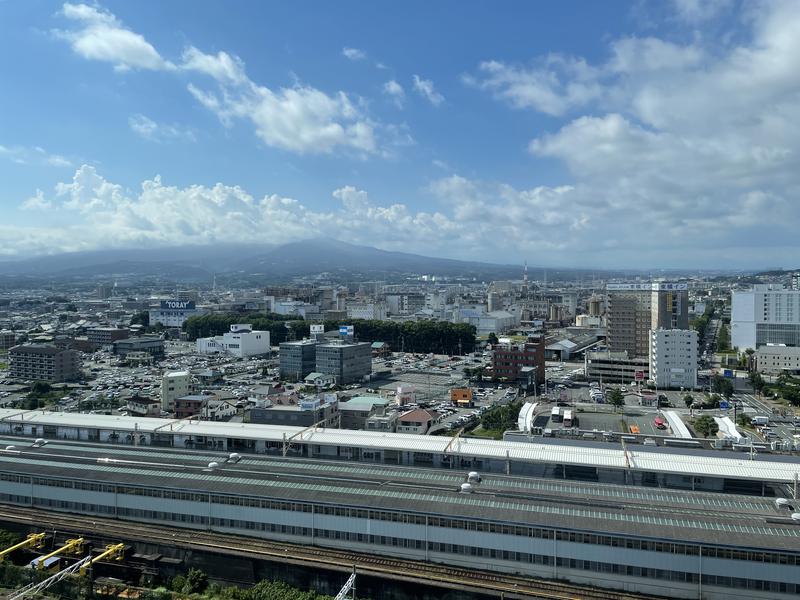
(590, 456)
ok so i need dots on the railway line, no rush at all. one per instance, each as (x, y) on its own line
(439, 575)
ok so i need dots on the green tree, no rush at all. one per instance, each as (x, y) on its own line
(141, 318)
(706, 426)
(744, 420)
(722, 385)
(492, 339)
(688, 400)
(196, 581)
(723, 339)
(616, 399)
(756, 381)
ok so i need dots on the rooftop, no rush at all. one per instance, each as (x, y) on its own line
(723, 519)
(657, 460)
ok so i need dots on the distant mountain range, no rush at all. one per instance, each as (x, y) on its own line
(305, 258)
(264, 263)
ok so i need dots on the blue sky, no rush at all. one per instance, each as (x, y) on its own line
(599, 134)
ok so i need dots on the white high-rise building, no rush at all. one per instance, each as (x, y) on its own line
(174, 384)
(673, 358)
(766, 314)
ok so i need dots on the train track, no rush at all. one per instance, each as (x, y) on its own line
(488, 582)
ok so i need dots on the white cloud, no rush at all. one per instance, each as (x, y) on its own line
(697, 11)
(150, 130)
(353, 54)
(35, 155)
(101, 36)
(299, 119)
(696, 141)
(223, 67)
(37, 202)
(395, 91)
(425, 88)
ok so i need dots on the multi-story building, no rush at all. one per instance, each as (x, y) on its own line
(773, 359)
(241, 341)
(521, 363)
(298, 359)
(356, 411)
(634, 309)
(152, 345)
(106, 336)
(42, 362)
(616, 367)
(673, 358)
(766, 314)
(795, 280)
(373, 311)
(174, 385)
(323, 411)
(143, 407)
(348, 362)
(8, 339)
(174, 313)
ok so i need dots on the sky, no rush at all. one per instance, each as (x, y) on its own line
(640, 134)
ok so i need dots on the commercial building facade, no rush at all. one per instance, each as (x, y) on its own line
(673, 358)
(520, 362)
(174, 313)
(297, 359)
(616, 367)
(774, 359)
(174, 385)
(43, 362)
(106, 336)
(8, 339)
(348, 362)
(151, 345)
(766, 314)
(634, 309)
(323, 411)
(241, 341)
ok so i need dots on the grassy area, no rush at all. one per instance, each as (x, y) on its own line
(3, 366)
(492, 434)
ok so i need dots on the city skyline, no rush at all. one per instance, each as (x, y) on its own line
(603, 136)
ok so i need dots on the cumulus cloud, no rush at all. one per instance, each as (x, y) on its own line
(697, 11)
(300, 118)
(395, 91)
(425, 88)
(150, 130)
(696, 140)
(353, 54)
(99, 35)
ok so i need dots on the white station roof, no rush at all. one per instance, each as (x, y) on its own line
(590, 456)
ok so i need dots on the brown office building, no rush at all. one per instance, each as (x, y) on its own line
(521, 363)
(40, 362)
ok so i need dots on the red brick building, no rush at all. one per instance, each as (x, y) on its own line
(520, 362)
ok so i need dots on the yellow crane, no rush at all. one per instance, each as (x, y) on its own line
(34, 540)
(112, 551)
(70, 546)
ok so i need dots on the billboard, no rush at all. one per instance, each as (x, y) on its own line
(724, 404)
(177, 304)
(728, 373)
(346, 330)
(639, 376)
(317, 329)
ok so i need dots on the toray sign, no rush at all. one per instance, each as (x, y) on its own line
(178, 304)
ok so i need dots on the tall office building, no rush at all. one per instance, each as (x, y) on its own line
(298, 359)
(766, 314)
(348, 362)
(635, 309)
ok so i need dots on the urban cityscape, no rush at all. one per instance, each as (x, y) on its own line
(588, 387)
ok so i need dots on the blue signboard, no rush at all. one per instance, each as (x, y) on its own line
(728, 373)
(724, 404)
(346, 330)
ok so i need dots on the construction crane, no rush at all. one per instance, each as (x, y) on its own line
(70, 546)
(34, 540)
(112, 552)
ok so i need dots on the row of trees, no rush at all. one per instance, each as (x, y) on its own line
(438, 337)
(502, 418)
